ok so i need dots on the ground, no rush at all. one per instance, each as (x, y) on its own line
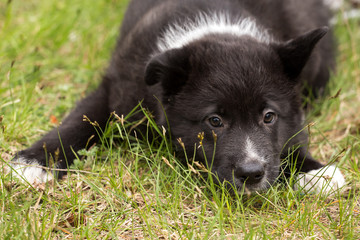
(54, 52)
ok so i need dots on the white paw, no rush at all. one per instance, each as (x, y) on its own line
(29, 171)
(327, 180)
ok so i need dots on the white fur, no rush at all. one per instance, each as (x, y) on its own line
(334, 4)
(324, 180)
(181, 34)
(251, 152)
(29, 171)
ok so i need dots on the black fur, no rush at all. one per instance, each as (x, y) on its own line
(236, 80)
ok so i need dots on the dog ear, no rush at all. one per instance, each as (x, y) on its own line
(170, 68)
(295, 53)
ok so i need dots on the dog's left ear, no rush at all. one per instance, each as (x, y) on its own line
(170, 68)
(295, 53)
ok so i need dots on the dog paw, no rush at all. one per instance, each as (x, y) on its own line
(30, 171)
(327, 180)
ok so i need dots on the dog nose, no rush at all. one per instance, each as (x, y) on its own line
(250, 173)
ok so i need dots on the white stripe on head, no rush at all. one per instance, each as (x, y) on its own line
(251, 152)
(334, 4)
(181, 34)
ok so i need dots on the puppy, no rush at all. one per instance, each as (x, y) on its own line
(232, 70)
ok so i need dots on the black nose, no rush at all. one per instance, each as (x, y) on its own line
(250, 173)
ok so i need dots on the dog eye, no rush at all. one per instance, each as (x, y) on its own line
(269, 117)
(215, 122)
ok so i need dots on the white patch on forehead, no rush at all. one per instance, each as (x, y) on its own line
(181, 34)
(30, 171)
(251, 152)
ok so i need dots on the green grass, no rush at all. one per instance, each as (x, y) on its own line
(52, 53)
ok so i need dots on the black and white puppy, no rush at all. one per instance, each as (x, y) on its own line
(234, 68)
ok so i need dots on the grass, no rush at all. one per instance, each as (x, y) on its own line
(53, 52)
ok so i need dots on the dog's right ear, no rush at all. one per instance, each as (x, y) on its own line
(170, 68)
(295, 53)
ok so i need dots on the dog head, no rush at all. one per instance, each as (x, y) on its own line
(237, 99)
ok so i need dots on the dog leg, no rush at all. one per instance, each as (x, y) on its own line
(56, 149)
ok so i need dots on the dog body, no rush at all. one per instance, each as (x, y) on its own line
(229, 69)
